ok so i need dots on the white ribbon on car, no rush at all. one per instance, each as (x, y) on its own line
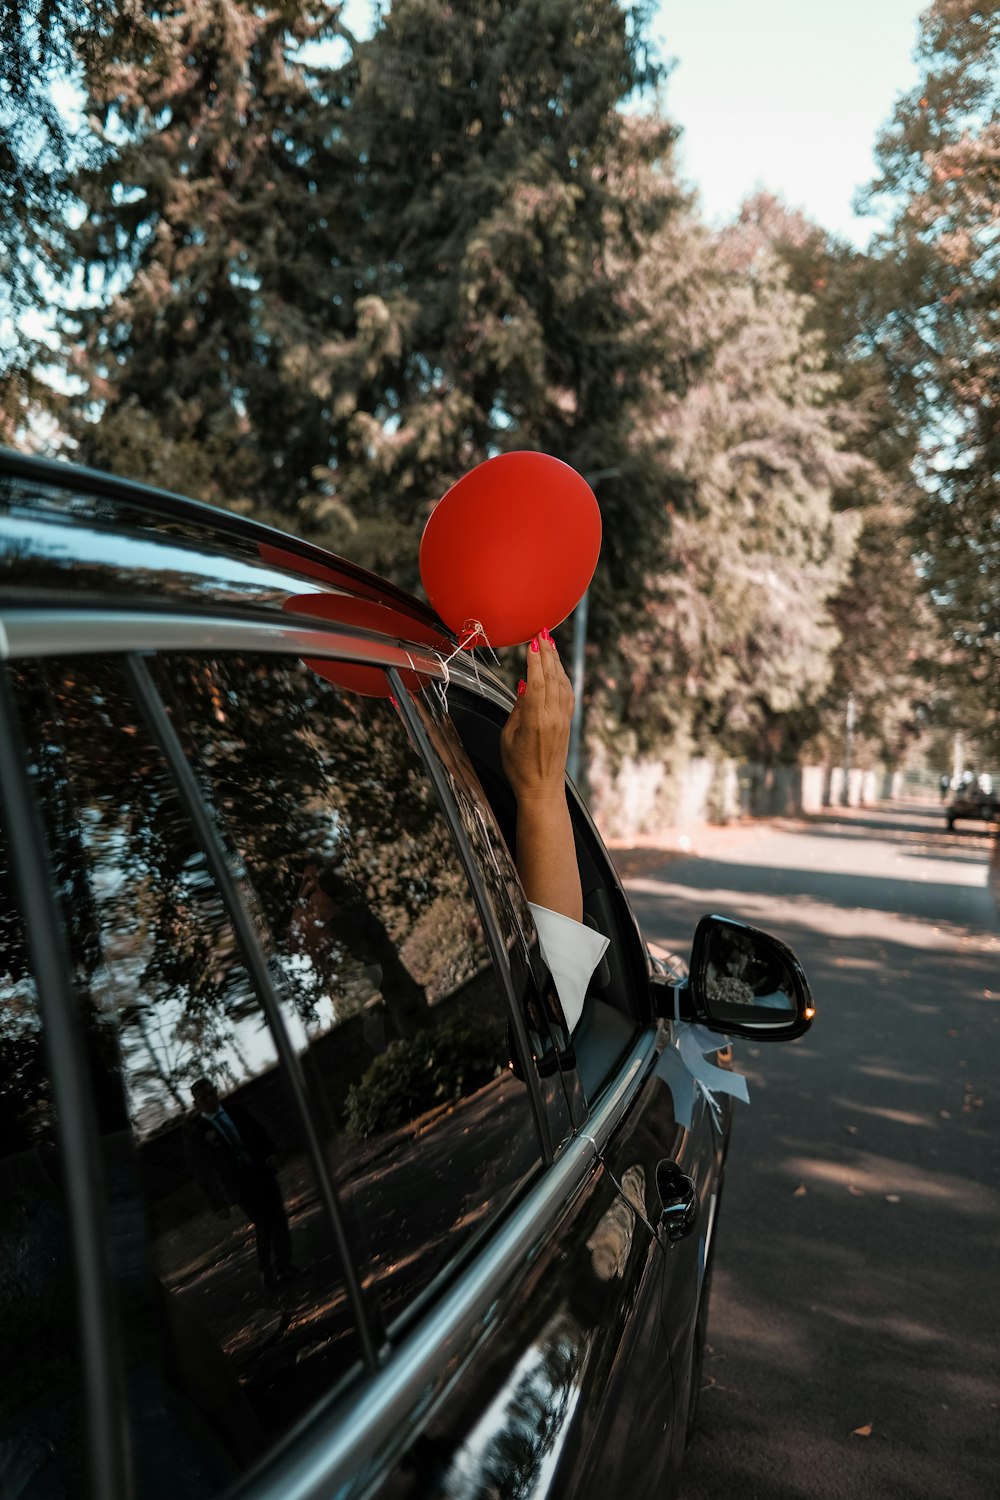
(684, 1068)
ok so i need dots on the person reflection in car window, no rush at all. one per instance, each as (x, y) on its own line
(232, 1158)
(533, 748)
(331, 918)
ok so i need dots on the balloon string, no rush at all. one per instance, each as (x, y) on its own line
(471, 631)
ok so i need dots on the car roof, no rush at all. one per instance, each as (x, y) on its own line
(67, 531)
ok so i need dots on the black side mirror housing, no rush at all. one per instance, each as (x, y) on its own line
(743, 982)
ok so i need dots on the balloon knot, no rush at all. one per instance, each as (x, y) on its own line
(471, 635)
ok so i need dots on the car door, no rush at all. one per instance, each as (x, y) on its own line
(621, 1074)
(519, 1346)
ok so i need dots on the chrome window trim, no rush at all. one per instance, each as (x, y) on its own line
(335, 1455)
(477, 888)
(74, 631)
(85, 631)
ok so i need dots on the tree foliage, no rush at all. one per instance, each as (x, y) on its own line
(45, 46)
(737, 626)
(888, 648)
(939, 165)
(326, 276)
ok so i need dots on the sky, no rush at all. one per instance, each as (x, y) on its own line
(784, 94)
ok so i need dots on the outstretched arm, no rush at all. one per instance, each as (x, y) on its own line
(533, 749)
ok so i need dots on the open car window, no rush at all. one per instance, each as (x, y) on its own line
(616, 997)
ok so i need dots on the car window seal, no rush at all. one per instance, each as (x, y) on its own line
(415, 725)
(165, 736)
(76, 1120)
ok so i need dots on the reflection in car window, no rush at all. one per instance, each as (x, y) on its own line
(41, 1438)
(240, 1308)
(389, 989)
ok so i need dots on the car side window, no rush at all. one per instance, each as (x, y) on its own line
(388, 985)
(234, 1315)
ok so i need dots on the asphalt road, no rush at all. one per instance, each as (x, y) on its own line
(855, 1324)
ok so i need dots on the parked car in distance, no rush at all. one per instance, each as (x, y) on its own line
(973, 804)
(306, 1188)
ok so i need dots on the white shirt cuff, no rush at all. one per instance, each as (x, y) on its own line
(572, 952)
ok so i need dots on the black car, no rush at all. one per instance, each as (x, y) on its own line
(972, 804)
(305, 1188)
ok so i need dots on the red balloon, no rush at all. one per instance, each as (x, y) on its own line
(343, 609)
(511, 548)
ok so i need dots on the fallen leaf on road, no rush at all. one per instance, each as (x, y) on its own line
(800, 1191)
(753, 1051)
(851, 1129)
(865, 1431)
(855, 1192)
(945, 1114)
(953, 1033)
(893, 1198)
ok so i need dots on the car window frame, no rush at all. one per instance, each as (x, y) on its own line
(102, 1362)
(494, 939)
(430, 767)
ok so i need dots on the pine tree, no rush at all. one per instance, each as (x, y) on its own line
(210, 231)
(325, 293)
(498, 225)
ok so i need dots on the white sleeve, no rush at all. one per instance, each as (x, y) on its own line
(572, 952)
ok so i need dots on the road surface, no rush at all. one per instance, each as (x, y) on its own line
(855, 1326)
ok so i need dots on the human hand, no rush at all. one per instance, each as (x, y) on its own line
(533, 746)
(535, 740)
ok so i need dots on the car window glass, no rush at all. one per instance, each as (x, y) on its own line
(388, 984)
(41, 1435)
(240, 1302)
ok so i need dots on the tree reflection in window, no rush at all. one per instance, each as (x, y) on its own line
(163, 988)
(378, 952)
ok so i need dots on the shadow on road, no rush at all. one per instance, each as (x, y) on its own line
(856, 1279)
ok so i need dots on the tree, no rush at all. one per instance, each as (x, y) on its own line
(497, 227)
(207, 242)
(938, 163)
(888, 648)
(328, 292)
(737, 627)
(46, 46)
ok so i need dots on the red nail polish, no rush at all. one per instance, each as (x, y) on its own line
(534, 644)
(522, 688)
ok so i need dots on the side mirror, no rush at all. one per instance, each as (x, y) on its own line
(744, 982)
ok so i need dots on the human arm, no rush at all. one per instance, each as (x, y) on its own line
(533, 748)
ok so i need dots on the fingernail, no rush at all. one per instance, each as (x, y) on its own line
(534, 644)
(522, 688)
(547, 637)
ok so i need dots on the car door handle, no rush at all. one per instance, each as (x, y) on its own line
(678, 1200)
